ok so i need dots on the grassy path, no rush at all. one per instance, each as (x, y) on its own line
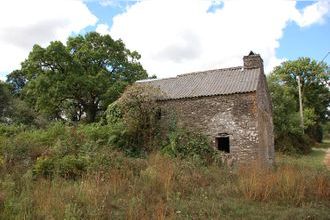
(325, 146)
(327, 159)
(318, 158)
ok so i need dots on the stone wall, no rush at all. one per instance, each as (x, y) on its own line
(235, 114)
(265, 122)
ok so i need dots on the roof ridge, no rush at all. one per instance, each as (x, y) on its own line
(153, 80)
(208, 71)
(191, 73)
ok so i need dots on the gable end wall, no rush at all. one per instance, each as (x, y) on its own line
(265, 122)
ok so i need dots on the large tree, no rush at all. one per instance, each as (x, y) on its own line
(78, 79)
(314, 77)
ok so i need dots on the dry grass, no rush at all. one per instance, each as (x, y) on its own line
(286, 183)
(165, 188)
(115, 193)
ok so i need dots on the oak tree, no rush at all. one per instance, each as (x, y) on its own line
(77, 80)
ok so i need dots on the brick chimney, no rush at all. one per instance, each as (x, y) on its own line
(253, 61)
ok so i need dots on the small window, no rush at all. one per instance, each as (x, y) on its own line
(159, 114)
(222, 143)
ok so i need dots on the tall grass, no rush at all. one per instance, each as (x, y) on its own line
(286, 184)
(160, 187)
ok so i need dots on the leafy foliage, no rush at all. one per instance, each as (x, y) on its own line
(4, 100)
(315, 81)
(13, 110)
(79, 79)
(136, 112)
(283, 88)
(188, 144)
(293, 144)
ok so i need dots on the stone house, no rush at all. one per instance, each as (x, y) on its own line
(231, 106)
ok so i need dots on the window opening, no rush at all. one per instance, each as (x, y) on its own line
(223, 143)
(159, 114)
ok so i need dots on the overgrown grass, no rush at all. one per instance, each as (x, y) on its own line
(324, 145)
(115, 186)
(160, 187)
(286, 183)
(313, 160)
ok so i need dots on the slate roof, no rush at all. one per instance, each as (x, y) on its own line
(208, 83)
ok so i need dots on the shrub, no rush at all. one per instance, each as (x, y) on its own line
(71, 166)
(187, 144)
(315, 132)
(10, 130)
(114, 113)
(44, 166)
(26, 146)
(135, 112)
(95, 132)
(59, 149)
(293, 144)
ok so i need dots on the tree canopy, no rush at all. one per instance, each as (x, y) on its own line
(283, 85)
(76, 80)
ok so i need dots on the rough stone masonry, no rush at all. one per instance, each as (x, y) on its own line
(231, 106)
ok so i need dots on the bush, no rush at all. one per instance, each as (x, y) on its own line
(135, 114)
(114, 113)
(11, 130)
(315, 132)
(187, 144)
(44, 166)
(96, 132)
(293, 144)
(71, 166)
(59, 149)
(25, 146)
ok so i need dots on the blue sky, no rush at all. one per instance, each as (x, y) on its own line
(313, 41)
(173, 36)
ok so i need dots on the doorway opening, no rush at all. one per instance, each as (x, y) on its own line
(222, 143)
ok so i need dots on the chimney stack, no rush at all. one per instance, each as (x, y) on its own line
(253, 61)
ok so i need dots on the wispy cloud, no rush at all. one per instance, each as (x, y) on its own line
(312, 14)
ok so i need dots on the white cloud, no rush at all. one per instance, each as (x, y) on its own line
(314, 13)
(177, 36)
(102, 29)
(25, 23)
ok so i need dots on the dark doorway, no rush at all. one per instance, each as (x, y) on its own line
(222, 143)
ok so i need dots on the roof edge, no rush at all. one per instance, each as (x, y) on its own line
(211, 70)
(191, 73)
